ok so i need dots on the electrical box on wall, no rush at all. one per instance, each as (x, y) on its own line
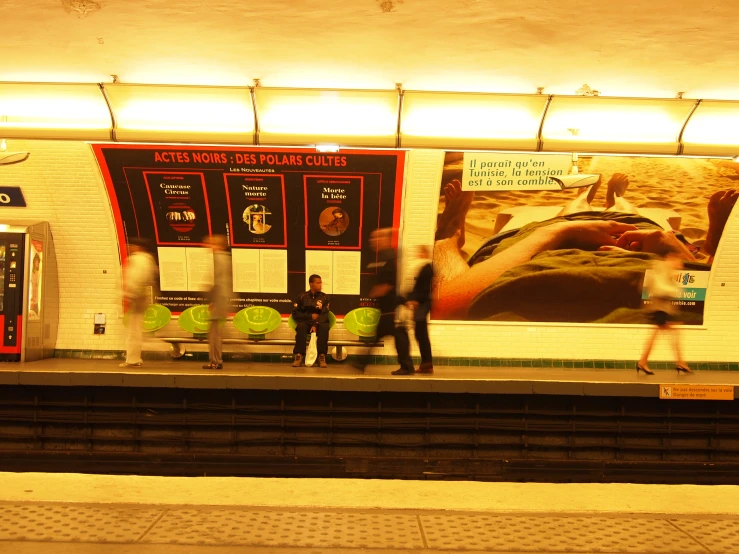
(99, 328)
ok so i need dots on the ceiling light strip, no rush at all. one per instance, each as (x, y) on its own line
(116, 129)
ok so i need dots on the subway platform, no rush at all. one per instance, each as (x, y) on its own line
(91, 514)
(343, 377)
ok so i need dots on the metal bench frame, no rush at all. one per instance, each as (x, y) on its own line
(177, 350)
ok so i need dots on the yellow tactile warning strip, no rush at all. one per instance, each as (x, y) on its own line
(366, 529)
(307, 529)
(555, 534)
(71, 523)
(717, 535)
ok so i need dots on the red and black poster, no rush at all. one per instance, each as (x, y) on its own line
(287, 213)
(333, 211)
(256, 209)
(179, 204)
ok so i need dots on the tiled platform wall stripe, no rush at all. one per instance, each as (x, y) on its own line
(543, 363)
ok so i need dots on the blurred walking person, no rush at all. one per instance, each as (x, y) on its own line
(386, 295)
(219, 297)
(663, 289)
(139, 274)
(419, 300)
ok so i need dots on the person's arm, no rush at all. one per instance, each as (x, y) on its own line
(299, 314)
(385, 280)
(454, 296)
(323, 317)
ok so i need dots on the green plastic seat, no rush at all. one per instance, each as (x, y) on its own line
(331, 322)
(196, 320)
(362, 322)
(257, 320)
(156, 317)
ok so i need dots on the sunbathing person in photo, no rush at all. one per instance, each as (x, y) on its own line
(581, 266)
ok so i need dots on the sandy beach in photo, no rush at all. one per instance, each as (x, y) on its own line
(683, 185)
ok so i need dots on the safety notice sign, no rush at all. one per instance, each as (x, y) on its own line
(696, 392)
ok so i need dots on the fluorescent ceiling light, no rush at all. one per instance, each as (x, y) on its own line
(713, 130)
(53, 111)
(601, 124)
(351, 117)
(212, 114)
(459, 120)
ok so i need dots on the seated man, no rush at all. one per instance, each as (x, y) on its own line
(311, 315)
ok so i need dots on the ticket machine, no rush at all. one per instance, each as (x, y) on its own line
(29, 292)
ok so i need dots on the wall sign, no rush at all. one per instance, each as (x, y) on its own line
(12, 196)
(696, 392)
(287, 213)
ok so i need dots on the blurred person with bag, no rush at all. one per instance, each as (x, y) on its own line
(139, 274)
(219, 297)
(385, 294)
(662, 287)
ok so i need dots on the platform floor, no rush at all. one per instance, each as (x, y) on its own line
(342, 377)
(81, 514)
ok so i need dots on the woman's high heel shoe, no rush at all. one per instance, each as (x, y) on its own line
(683, 369)
(639, 368)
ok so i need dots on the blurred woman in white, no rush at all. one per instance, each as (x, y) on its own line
(138, 278)
(219, 297)
(663, 289)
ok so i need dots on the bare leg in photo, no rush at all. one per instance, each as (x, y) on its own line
(615, 201)
(449, 240)
(582, 201)
(720, 206)
(451, 221)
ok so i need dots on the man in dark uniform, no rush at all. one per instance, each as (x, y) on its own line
(419, 300)
(310, 313)
(386, 295)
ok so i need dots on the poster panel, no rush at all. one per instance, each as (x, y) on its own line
(280, 208)
(34, 280)
(562, 238)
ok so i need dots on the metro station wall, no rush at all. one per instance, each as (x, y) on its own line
(62, 185)
(713, 341)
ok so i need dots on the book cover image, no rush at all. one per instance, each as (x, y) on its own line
(256, 210)
(333, 211)
(257, 219)
(334, 221)
(179, 207)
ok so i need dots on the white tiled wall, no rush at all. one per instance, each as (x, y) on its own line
(716, 342)
(62, 185)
